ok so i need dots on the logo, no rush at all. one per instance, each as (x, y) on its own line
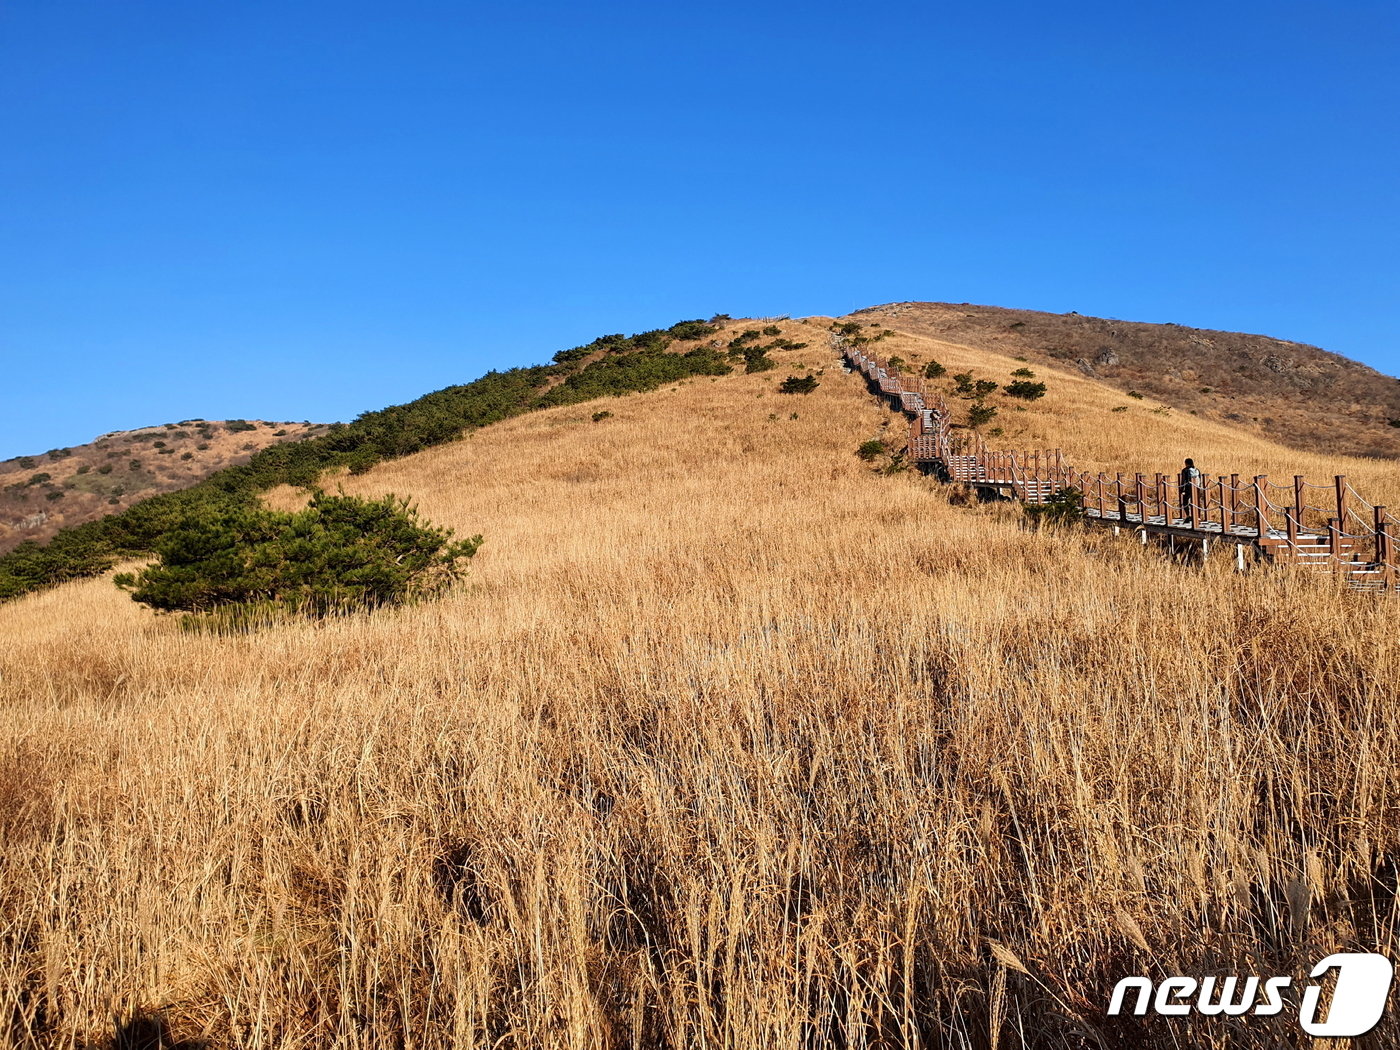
(1357, 1002)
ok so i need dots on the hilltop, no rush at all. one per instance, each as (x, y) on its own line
(730, 738)
(1298, 395)
(41, 494)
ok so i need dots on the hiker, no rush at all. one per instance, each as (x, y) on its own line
(1189, 487)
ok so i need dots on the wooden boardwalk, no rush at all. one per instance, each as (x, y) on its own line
(1321, 528)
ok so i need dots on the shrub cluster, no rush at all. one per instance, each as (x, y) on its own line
(798, 385)
(1025, 389)
(340, 554)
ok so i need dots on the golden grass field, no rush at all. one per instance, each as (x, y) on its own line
(726, 742)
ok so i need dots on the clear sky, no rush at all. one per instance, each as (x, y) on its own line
(303, 209)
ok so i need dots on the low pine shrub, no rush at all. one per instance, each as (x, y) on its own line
(798, 385)
(1064, 507)
(340, 554)
(1025, 390)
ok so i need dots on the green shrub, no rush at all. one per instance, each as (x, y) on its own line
(1025, 390)
(895, 363)
(1064, 507)
(84, 468)
(279, 433)
(983, 387)
(55, 494)
(106, 468)
(187, 455)
(871, 450)
(980, 413)
(38, 479)
(1395, 422)
(772, 330)
(58, 453)
(361, 461)
(203, 446)
(340, 554)
(1121, 408)
(1134, 395)
(134, 465)
(26, 462)
(693, 330)
(1024, 373)
(237, 426)
(963, 382)
(598, 417)
(798, 385)
(933, 370)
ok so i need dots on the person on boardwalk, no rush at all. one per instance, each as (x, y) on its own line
(1189, 487)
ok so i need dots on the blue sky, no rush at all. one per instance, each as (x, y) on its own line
(304, 209)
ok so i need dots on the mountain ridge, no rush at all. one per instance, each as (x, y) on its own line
(1298, 394)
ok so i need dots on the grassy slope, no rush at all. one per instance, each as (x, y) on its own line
(727, 742)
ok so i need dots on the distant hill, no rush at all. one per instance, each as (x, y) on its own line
(1296, 394)
(41, 494)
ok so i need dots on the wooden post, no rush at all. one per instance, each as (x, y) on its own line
(1261, 517)
(1299, 505)
(1192, 497)
(1339, 482)
(1234, 500)
(1122, 503)
(1162, 499)
(1384, 550)
(1334, 539)
(1099, 501)
(1138, 495)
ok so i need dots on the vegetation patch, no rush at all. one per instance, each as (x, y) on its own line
(341, 554)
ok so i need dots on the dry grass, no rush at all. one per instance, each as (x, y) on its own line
(1077, 415)
(727, 743)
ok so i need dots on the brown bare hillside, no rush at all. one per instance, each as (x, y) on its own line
(67, 486)
(1296, 394)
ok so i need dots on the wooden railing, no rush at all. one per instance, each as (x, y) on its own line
(1329, 526)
